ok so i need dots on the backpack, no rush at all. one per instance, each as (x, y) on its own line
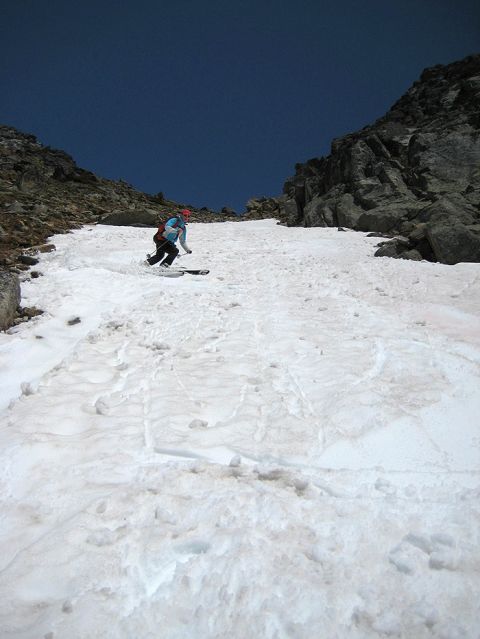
(158, 237)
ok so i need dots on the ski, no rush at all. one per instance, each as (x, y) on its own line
(195, 271)
(165, 272)
(177, 271)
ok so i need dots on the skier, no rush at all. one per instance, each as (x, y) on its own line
(168, 233)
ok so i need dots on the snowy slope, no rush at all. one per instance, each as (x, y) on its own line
(287, 447)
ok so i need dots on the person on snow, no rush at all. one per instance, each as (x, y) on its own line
(165, 238)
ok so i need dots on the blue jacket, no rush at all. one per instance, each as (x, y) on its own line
(175, 229)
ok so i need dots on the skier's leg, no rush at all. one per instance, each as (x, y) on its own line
(159, 254)
(172, 251)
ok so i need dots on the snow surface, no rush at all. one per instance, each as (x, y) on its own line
(287, 447)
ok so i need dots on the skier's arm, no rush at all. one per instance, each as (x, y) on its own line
(182, 238)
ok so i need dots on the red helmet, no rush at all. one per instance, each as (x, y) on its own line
(186, 213)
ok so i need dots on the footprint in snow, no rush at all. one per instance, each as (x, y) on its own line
(193, 547)
(444, 559)
(103, 537)
(235, 462)
(198, 423)
(27, 388)
(385, 486)
(101, 508)
(67, 607)
(402, 562)
(101, 407)
(159, 346)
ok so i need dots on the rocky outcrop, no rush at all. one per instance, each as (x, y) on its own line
(452, 243)
(9, 298)
(144, 217)
(262, 207)
(415, 172)
(228, 211)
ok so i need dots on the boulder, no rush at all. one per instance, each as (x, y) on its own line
(262, 208)
(30, 180)
(393, 248)
(315, 212)
(226, 210)
(452, 244)
(413, 254)
(15, 207)
(387, 250)
(131, 218)
(39, 209)
(29, 260)
(418, 232)
(253, 204)
(9, 298)
(289, 212)
(474, 228)
(451, 209)
(378, 221)
(448, 162)
(348, 213)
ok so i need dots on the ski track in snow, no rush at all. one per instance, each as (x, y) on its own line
(287, 447)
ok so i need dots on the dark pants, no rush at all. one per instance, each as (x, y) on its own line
(164, 247)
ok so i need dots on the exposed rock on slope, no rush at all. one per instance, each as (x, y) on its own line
(9, 298)
(414, 172)
(262, 207)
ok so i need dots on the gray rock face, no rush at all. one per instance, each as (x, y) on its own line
(9, 298)
(262, 207)
(131, 218)
(227, 210)
(453, 243)
(418, 164)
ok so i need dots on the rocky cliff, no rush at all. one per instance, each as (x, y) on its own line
(415, 173)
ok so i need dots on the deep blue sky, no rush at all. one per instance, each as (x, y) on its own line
(214, 101)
